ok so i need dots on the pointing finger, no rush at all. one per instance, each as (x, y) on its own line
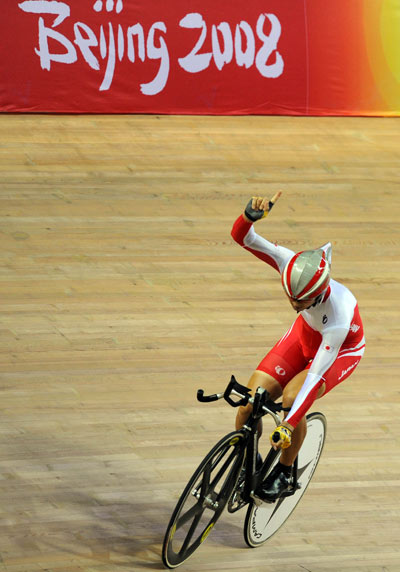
(276, 197)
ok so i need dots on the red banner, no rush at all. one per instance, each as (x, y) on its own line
(226, 57)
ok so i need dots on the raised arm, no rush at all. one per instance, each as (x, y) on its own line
(244, 234)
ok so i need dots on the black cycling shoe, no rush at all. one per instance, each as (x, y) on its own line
(274, 485)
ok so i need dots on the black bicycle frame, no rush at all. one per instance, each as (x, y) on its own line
(253, 477)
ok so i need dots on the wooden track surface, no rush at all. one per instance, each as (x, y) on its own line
(121, 294)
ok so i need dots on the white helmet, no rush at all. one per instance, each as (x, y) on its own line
(307, 273)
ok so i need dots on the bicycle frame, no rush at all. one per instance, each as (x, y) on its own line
(228, 476)
(262, 406)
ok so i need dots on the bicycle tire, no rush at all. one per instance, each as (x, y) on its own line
(263, 520)
(203, 499)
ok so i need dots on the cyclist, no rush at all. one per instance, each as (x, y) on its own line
(321, 348)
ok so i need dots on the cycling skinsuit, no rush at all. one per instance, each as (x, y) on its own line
(326, 339)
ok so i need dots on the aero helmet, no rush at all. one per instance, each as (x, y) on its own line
(307, 273)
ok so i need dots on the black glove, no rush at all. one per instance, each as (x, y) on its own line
(255, 215)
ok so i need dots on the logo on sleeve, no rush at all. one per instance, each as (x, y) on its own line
(325, 319)
(279, 370)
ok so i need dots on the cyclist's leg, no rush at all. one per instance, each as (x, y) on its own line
(276, 369)
(289, 395)
(258, 379)
(340, 370)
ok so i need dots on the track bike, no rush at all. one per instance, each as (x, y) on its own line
(229, 476)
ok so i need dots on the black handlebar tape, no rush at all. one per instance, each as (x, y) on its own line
(206, 398)
(276, 437)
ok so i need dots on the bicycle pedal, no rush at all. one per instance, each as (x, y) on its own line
(259, 502)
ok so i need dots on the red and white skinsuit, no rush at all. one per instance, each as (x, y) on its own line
(327, 339)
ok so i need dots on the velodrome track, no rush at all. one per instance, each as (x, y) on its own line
(121, 294)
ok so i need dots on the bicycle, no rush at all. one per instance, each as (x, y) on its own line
(228, 476)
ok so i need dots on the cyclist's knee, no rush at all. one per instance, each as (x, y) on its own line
(290, 393)
(245, 412)
(289, 396)
(242, 416)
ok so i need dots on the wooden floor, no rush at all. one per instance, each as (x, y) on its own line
(121, 294)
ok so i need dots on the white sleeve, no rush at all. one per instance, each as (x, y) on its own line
(280, 254)
(325, 357)
(328, 350)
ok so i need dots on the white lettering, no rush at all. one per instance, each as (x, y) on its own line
(195, 62)
(85, 44)
(344, 371)
(121, 43)
(155, 53)
(98, 6)
(109, 75)
(269, 46)
(222, 57)
(244, 58)
(103, 43)
(68, 57)
(60, 9)
(100, 50)
(136, 30)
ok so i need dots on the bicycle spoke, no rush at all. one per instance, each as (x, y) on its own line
(190, 533)
(197, 508)
(216, 460)
(205, 482)
(223, 469)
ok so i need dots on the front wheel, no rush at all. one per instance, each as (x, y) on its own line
(203, 499)
(264, 519)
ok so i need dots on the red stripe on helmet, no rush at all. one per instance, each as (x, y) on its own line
(320, 289)
(287, 286)
(315, 278)
(327, 294)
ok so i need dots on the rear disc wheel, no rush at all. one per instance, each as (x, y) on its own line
(264, 519)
